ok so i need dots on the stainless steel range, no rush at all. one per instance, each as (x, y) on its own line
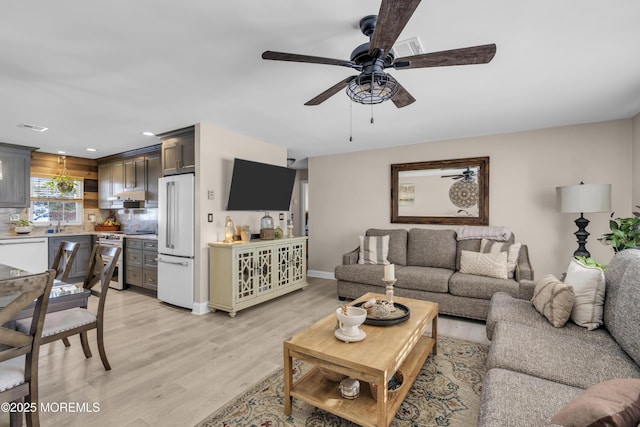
(116, 240)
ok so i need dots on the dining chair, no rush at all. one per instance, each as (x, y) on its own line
(19, 350)
(79, 320)
(63, 261)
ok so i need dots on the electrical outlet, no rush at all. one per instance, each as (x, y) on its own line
(210, 195)
(14, 217)
(210, 217)
(281, 216)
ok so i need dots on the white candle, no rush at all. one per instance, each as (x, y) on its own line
(389, 272)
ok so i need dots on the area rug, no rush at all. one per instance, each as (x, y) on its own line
(445, 393)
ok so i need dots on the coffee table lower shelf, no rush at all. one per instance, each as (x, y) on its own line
(315, 389)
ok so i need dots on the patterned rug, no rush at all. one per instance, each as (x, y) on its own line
(445, 393)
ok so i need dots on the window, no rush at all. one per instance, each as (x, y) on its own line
(49, 206)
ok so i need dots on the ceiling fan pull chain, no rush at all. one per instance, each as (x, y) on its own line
(371, 113)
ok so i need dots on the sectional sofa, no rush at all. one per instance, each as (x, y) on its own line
(427, 267)
(536, 369)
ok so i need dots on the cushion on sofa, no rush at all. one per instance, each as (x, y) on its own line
(621, 313)
(474, 246)
(558, 357)
(553, 299)
(490, 265)
(512, 250)
(368, 274)
(432, 248)
(373, 250)
(514, 399)
(480, 287)
(423, 278)
(609, 403)
(588, 288)
(506, 308)
(397, 244)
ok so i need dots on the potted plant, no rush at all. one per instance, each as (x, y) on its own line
(63, 184)
(625, 233)
(23, 226)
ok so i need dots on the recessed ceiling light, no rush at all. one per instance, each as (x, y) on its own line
(147, 133)
(35, 128)
(91, 149)
(62, 152)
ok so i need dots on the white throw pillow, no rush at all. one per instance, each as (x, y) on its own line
(491, 265)
(374, 250)
(588, 287)
(512, 250)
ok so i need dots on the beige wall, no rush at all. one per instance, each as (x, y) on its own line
(351, 192)
(636, 163)
(215, 150)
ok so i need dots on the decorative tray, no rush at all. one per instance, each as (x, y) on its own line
(401, 314)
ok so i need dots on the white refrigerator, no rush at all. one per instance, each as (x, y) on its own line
(176, 230)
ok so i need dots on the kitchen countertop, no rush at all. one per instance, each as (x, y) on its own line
(74, 233)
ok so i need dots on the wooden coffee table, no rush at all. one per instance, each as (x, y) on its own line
(372, 360)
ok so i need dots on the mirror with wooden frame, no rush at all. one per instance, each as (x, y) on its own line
(441, 192)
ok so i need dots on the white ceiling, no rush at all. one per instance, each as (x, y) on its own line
(97, 73)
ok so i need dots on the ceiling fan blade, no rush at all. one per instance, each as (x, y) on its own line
(402, 98)
(392, 18)
(464, 56)
(292, 57)
(330, 92)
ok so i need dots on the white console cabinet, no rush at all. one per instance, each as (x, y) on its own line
(245, 274)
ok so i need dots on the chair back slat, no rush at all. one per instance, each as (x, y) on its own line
(63, 261)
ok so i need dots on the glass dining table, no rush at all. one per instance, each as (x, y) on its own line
(63, 295)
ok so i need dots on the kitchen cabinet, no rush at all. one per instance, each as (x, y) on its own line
(178, 151)
(242, 275)
(153, 168)
(79, 267)
(15, 166)
(30, 254)
(141, 263)
(134, 174)
(110, 182)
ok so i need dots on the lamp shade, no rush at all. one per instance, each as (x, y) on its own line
(584, 198)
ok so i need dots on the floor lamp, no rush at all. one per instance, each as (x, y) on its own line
(583, 198)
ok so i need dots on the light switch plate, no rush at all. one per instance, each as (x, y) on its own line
(210, 194)
(14, 217)
(281, 216)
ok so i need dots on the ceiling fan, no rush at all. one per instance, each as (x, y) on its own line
(373, 85)
(466, 175)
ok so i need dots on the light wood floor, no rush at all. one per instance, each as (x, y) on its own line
(173, 368)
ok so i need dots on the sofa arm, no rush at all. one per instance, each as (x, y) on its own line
(351, 257)
(526, 289)
(524, 270)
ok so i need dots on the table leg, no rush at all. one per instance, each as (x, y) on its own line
(434, 334)
(382, 403)
(288, 381)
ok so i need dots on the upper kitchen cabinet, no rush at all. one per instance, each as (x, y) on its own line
(110, 182)
(134, 174)
(154, 172)
(178, 151)
(15, 176)
(133, 171)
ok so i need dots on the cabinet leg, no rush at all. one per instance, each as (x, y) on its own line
(232, 314)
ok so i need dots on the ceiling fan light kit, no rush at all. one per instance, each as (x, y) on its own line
(373, 85)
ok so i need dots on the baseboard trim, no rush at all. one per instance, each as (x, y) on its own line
(321, 274)
(200, 308)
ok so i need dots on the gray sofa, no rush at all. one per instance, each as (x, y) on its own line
(535, 369)
(427, 264)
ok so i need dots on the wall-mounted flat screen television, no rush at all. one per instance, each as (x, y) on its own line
(260, 187)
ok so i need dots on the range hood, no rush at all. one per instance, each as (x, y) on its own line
(131, 199)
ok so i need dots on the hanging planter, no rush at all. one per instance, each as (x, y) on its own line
(62, 183)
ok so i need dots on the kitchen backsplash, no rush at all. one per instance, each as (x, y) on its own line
(133, 220)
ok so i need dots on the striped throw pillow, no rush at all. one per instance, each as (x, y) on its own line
(553, 299)
(374, 250)
(512, 249)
